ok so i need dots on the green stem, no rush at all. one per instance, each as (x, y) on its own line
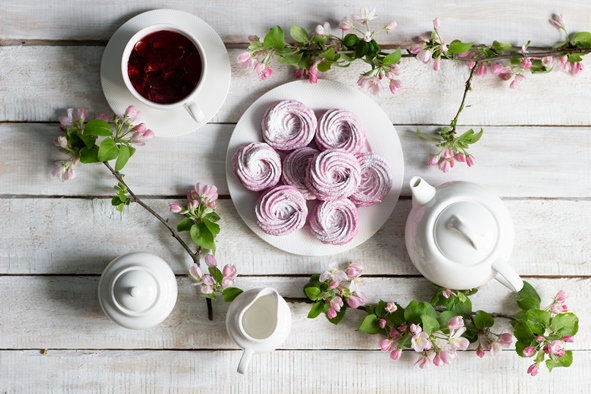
(467, 88)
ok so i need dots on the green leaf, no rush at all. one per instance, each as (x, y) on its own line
(122, 158)
(89, 155)
(528, 303)
(444, 317)
(381, 308)
(462, 297)
(528, 291)
(99, 128)
(522, 331)
(298, 33)
(214, 228)
(212, 296)
(324, 66)
(312, 292)
(427, 137)
(393, 58)
(476, 137)
(567, 359)
(457, 47)
(537, 320)
(202, 236)
(230, 293)
(396, 318)
(582, 39)
(316, 310)
(361, 49)
(340, 314)
(501, 46)
(319, 39)
(370, 325)
(520, 346)
(292, 59)
(350, 40)
(565, 324)
(483, 320)
(430, 324)
(573, 58)
(108, 150)
(115, 201)
(88, 140)
(185, 224)
(412, 313)
(212, 217)
(216, 273)
(275, 38)
(328, 54)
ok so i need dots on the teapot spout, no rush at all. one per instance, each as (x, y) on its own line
(422, 192)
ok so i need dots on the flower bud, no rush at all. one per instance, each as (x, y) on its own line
(354, 270)
(331, 313)
(395, 355)
(230, 271)
(391, 26)
(436, 23)
(382, 323)
(210, 260)
(386, 345)
(529, 351)
(561, 296)
(391, 307)
(456, 322)
(175, 207)
(132, 113)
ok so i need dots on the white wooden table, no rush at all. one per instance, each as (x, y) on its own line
(56, 238)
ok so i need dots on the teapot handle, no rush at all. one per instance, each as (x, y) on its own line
(507, 275)
(244, 360)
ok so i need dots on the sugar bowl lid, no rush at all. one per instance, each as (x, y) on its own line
(137, 290)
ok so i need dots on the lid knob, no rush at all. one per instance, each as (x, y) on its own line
(135, 290)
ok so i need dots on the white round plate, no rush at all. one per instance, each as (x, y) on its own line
(381, 139)
(168, 123)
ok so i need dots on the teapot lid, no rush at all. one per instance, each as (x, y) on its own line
(466, 232)
(137, 290)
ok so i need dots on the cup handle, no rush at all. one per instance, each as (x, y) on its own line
(507, 275)
(194, 111)
(244, 361)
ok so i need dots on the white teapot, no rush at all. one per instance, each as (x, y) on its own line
(259, 321)
(459, 235)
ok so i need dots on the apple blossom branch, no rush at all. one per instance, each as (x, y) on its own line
(319, 51)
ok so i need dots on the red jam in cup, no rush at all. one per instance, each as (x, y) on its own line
(164, 67)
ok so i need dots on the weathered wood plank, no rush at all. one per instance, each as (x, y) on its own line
(70, 76)
(278, 372)
(78, 236)
(57, 312)
(169, 166)
(483, 21)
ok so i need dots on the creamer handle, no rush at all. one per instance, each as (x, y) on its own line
(246, 355)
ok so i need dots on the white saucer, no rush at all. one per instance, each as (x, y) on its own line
(168, 123)
(381, 139)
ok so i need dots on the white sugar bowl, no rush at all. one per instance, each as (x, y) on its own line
(137, 290)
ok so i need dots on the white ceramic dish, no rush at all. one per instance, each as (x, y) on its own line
(381, 139)
(167, 123)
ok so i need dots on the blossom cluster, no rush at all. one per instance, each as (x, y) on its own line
(200, 215)
(334, 290)
(215, 281)
(79, 139)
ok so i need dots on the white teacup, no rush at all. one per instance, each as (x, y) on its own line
(188, 101)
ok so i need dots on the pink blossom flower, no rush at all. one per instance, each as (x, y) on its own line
(336, 303)
(481, 69)
(356, 300)
(456, 341)
(561, 296)
(333, 273)
(497, 68)
(61, 141)
(447, 356)
(391, 26)
(367, 36)
(526, 63)
(470, 160)
(424, 56)
(557, 21)
(132, 114)
(533, 370)
(416, 48)
(264, 71)
(568, 338)
(141, 135)
(391, 307)
(460, 157)
(436, 65)
(480, 352)
(226, 282)
(471, 64)
(207, 280)
(365, 16)
(505, 339)
(438, 361)
(421, 342)
(436, 23)
(386, 345)
(517, 81)
(540, 338)
(245, 60)
(448, 153)
(423, 361)
(354, 270)
(252, 38)
(208, 193)
(319, 31)
(395, 85)
(443, 48)
(396, 353)
(196, 272)
(445, 165)
(456, 322)
(64, 170)
(345, 23)
(103, 116)
(433, 161)
(394, 334)
(207, 289)
(313, 78)
(331, 313)
(210, 260)
(72, 116)
(557, 348)
(577, 68)
(382, 323)
(333, 284)
(529, 351)
(175, 207)
(229, 271)
(548, 61)
(371, 84)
